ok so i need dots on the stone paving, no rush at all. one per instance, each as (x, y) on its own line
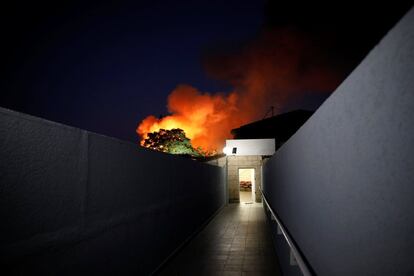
(236, 242)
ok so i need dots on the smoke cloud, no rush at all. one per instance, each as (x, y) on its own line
(280, 66)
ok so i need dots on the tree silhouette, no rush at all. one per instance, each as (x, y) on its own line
(171, 141)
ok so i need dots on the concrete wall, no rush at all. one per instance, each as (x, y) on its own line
(343, 185)
(74, 202)
(245, 147)
(234, 163)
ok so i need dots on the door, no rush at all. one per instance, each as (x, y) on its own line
(246, 185)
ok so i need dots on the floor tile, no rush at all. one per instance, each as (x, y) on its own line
(236, 242)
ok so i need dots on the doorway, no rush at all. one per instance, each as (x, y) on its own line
(247, 185)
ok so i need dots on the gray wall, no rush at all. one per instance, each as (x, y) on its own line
(74, 202)
(236, 162)
(343, 185)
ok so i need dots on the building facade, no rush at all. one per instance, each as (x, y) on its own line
(243, 163)
(252, 145)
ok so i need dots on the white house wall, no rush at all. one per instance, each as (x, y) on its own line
(250, 147)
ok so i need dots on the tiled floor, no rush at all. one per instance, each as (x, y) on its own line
(246, 197)
(236, 242)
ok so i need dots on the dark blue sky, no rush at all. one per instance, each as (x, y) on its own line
(105, 65)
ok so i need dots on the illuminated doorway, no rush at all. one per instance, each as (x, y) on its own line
(246, 185)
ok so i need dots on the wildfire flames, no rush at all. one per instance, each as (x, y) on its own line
(280, 67)
(206, 119)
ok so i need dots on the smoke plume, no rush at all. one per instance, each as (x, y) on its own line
(280, 66)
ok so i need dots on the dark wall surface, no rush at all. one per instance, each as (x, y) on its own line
(74, 202)
(343, 185)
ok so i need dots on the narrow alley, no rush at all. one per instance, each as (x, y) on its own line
(235, 242)
(337, 183)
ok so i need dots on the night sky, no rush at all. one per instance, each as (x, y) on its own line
(104, 66)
